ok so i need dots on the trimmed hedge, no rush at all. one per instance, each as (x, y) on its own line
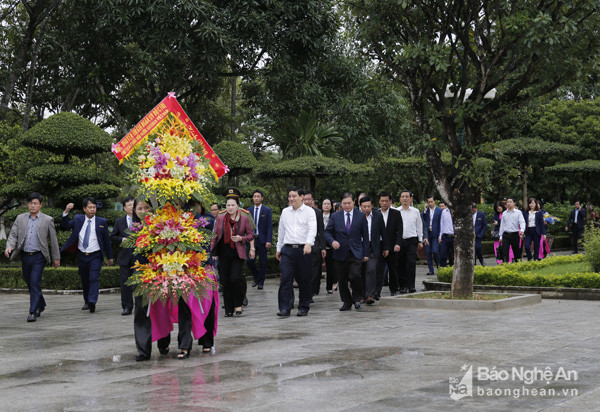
(69, 134)
(62, 278)
(512, 274)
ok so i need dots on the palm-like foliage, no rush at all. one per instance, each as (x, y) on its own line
(304, 136)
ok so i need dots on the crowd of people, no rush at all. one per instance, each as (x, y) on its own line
(364, 243)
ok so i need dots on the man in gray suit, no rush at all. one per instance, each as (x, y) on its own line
(29, 238)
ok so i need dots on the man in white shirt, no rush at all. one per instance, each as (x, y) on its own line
(296, 235)
(446, 237)
(412, 238)
(512, 227)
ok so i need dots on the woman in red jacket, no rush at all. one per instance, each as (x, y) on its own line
(233, 231)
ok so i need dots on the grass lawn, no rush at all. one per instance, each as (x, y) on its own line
(560, 269)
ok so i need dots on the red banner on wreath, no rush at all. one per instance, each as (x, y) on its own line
(145, 126)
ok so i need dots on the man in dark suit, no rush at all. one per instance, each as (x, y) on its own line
(318, 250)
(576, 222)
(394, 228)
(28, 238)
(263, 237)
(91, 239)
(480, 226)
(379, 248)
(431, 231)
(348, 234)
(125, 258)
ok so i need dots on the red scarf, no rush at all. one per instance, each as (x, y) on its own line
(231, 227)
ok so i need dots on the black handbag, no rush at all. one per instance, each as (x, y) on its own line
(499, 254)
(496, 235)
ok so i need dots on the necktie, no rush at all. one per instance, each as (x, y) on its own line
(86, 236)
(347, 222)
(256, 220)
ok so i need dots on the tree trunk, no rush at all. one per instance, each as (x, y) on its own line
(31, 81)
(524, 174)
(464, 251)
(233, 105)
(313, 183)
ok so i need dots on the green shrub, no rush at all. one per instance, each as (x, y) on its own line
(62, 278)
(591, 244)
(69, 134)
(519, 274)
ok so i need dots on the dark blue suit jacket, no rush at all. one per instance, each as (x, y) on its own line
(435, 224)
(379, 237)
(540, 227)
(480, 224)
(76, 224)
(357, 241)
(265, 224)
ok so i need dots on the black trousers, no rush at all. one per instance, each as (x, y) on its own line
(349, 270)
(576, 234)
(330, 270)
(531, 235)
(393, 271)
(380, 271)
(370, 275)
(407, 262)
(142, 329)
(125, 271)
(317, 271)
(510, 240)
(447, 251)
(208, 340)
(478, 251)
(232, 281)
(296, 265)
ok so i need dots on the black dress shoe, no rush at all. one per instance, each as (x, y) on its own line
(430, 274)
(163, 351)
(260, 287)
(302, 312)
(92, 307)
(254, 284)
(31, 317)
(126, 311)
(85, 307)
(403, 291)
(245, 301)
(412, 290)
(345, 306)
(392, 293)
(357, 306)
(141, 358)
(283, 313)
(370, 300)
(228, 314)
(38, 312)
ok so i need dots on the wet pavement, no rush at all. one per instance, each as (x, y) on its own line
(377, 359)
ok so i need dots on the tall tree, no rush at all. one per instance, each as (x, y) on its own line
(465, 62)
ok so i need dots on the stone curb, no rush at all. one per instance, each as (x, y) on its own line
(544, 292)
(515, 301)
(58, 292)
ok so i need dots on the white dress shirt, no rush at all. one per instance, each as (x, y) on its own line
(412, 223)
(369, 221)
(531, 220)
(93, 245)
(385, 215)
(512, 222)
(297, 227)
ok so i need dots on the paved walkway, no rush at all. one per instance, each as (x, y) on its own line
(378, 359)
